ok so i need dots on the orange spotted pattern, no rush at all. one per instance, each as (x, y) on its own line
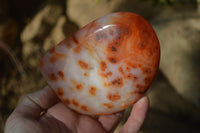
(112, 60)
(103, 65)
(120, 70)
(60, 91)
(84, 108)
(66, 101)
(93, 90)
(79, 87)
(113, 97)
(133, 77)
(53, 77)
(115, 52)
(105, 75)
(61, 75)
(83, 65)
(75, 103)
(108, 105)
(117, 83)
(55, 56)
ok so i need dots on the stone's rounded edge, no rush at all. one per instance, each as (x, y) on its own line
(104, 113)
(122, 16)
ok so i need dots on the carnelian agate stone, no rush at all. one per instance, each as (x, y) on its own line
(105, 66)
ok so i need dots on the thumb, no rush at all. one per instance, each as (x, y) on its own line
(137, 116)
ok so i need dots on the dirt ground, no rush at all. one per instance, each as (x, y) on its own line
(28, 29)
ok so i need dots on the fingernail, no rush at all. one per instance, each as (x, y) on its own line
(144, 99)
(119, 114)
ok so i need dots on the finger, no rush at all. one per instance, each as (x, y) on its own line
(34, 103)
(74, 121)
(45, 98)
(109, 122)
(137, 116)
(62, 113)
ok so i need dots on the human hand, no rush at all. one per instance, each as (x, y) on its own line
(43, 112)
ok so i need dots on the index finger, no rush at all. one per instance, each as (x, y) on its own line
(34, 103)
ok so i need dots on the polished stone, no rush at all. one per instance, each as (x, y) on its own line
(105, 66)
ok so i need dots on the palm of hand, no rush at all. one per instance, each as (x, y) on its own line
(54, 122)
(60, 119)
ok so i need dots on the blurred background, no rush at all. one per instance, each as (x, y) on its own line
(28, 29)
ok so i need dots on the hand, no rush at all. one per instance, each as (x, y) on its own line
(42, 112)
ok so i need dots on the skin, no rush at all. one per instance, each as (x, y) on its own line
(57, 118)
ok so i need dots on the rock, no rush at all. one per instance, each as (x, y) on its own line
(181, 5)
(145, 8)
(105, 66)
(180, 52)
(41, 24)
(62, 29)
(38, 29)
(84, 11)
(172, 103)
